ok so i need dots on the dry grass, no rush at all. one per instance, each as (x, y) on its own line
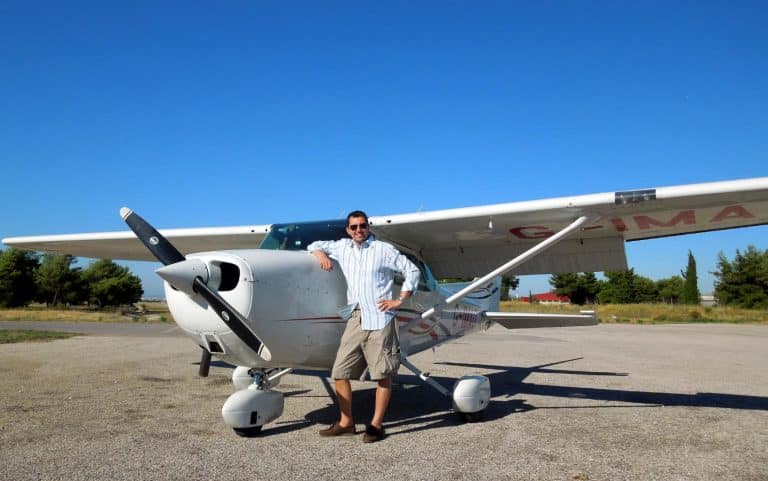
(651, 313)
(620, 313)
(9, 336)
(147, 312)
(153, 307)
(70, 315)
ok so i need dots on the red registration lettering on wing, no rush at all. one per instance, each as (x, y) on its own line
(687, 217)
(531, 232)
(643, 222)
(732, 212)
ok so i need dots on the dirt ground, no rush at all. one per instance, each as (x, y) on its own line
(687, 402)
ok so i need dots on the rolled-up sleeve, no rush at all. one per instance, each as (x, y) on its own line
(410, 272)
(329, 247)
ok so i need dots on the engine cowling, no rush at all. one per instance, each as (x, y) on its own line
(281, 293)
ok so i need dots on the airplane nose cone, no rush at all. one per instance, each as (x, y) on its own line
(181, 275)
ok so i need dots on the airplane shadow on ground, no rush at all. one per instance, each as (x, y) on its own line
(420, 407)
(510, 382)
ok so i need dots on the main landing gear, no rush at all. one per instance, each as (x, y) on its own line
(470, 397)
(254, 404)
(471, 394)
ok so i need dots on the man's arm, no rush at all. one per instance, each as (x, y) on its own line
(411, 274)
(322, 250)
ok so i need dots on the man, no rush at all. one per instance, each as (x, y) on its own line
(370, 338)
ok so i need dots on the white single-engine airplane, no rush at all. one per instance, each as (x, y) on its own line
(272, 309)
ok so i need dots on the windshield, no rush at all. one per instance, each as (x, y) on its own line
(297, 236)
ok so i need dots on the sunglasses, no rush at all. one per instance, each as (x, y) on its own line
(362, 226)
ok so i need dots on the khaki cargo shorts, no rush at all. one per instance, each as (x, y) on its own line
(379, 350)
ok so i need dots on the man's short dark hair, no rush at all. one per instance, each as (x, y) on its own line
(356, 213)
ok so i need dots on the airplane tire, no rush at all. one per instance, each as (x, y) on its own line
(475, 417)
(248, 432)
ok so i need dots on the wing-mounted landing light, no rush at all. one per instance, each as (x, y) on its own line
(190, 276)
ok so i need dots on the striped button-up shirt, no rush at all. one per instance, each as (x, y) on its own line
(369, 269)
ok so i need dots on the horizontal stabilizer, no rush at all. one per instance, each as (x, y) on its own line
(528, 320)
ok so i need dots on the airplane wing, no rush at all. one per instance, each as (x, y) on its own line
(124, 245)
(472, 241)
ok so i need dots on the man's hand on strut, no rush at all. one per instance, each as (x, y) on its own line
(387, 304)
(325, 261)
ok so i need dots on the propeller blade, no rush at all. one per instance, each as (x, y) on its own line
(233, 319)
(150, 237)
(189, 271)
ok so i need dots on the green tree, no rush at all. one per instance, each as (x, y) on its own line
(531, 299)
(17, 277)
(691, 294)
(58, 282)
(507, 284)
(626, 287)
(110, 284)
(645, 289)
(670, 289)
(743, 282)
(580, 288)
(619, 287)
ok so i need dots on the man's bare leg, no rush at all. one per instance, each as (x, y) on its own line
(383, 394)
(344, 398)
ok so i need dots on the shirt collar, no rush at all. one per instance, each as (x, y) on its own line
(366, 243)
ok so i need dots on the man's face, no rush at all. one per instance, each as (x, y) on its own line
(357, 228)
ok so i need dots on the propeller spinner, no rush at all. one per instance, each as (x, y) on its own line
(190, 276)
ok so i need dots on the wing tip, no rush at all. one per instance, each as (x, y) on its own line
(125, 212)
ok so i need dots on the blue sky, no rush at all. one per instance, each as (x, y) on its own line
(201, 114)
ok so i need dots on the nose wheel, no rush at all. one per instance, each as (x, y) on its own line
(249, 408)
(248, 432)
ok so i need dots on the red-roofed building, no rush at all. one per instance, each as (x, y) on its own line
(548, 298)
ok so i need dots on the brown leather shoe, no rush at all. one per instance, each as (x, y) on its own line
(336, 430)
(373, 434)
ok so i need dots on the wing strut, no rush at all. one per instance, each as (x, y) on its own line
(574, 226)
(424, 376)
